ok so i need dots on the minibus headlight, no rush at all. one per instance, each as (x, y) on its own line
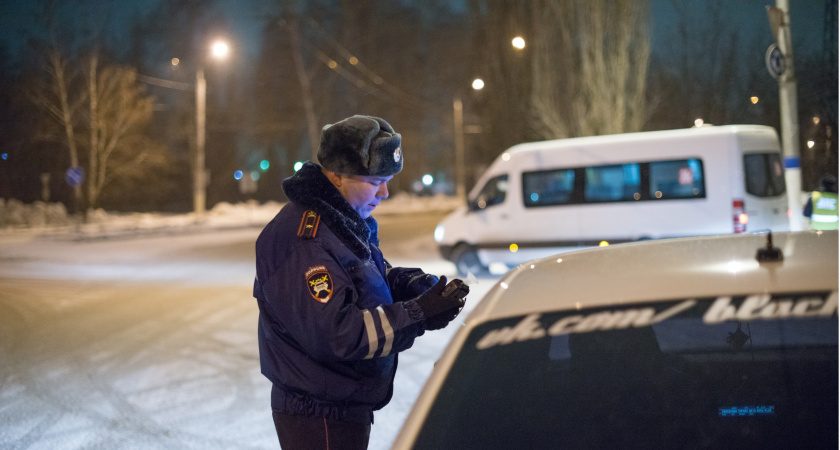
(439, 231)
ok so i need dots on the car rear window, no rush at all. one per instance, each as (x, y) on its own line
(729, 372)
(764, 174)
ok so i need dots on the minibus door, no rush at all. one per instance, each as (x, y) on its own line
(491, 218)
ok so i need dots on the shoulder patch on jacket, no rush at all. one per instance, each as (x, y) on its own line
(309, 225)
(319, 283)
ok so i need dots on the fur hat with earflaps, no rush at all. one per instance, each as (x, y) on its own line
(361, 145)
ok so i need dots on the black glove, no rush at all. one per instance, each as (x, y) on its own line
(434, 301)
(455, 289)
(441, 320)
(421, 283)
(409, 283)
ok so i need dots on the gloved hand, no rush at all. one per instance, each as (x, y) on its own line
(409, 283)
(441, 320)
(434, 302)
(455, 289)
(419, 284)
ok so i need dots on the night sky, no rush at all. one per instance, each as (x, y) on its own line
(18, 20)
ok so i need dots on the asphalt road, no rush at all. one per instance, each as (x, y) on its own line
(151, 342)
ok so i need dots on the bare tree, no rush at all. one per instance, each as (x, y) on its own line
(119, 111)
(590, 62)
(107, 139)
(305, 86)
(54, 99)
(712, 57)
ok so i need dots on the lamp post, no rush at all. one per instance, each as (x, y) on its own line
(779, 17)
(219, 50)
(458, 120)
(458, 114)
(199, 172)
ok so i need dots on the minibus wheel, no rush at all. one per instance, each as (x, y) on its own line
(466, 261)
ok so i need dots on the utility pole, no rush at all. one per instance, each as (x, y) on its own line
(460, 173)
(779, 17)
(199, 175)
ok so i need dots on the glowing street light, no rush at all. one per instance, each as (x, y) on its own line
(219, 50)
(458, 118)
(518, 43)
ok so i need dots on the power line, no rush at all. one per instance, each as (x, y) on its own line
(165, 83)
(376, 82)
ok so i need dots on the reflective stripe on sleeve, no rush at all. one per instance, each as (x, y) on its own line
(370, 327)
(389, 331)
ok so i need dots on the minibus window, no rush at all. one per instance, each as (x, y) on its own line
(612, 183)
(677, 179)
(764, 175)
(546, 188)
(493, 193)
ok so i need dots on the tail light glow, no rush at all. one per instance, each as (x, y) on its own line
(739, 217)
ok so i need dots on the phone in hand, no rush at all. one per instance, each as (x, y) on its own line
(456, 287)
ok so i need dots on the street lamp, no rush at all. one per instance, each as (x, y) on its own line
(458, 116)
(219, 50)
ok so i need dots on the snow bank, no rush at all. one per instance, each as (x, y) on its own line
(16, 214)
(52, 218)
(402, 203)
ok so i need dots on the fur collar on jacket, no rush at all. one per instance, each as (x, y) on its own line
(310, 188)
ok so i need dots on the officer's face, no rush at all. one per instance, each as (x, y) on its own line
(364, 193)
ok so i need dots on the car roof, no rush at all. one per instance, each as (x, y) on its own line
(667, 269)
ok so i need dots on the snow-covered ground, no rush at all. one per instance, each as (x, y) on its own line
(96, 252)
(38, 217)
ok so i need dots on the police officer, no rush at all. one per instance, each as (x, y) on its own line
(334, 314)
(821, 207)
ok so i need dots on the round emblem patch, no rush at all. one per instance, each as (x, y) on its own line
(397, 154)
(319, 283)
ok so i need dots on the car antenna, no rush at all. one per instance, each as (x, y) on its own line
(769, 253)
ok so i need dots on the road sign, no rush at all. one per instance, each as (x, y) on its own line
(775, 61)
(75, 176)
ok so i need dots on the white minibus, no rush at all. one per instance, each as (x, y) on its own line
(541, 198)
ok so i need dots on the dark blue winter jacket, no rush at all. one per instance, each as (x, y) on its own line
(333, 313)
